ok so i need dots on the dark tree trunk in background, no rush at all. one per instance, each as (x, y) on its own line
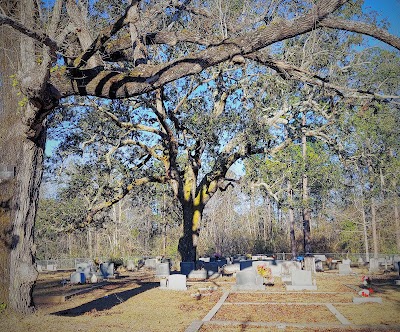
(306, 209)
(188, 242)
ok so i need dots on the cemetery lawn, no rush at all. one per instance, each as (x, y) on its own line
(134, 302)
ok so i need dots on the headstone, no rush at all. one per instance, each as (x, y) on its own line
(39, 268)
(309, 263)
(163, 283)
(301, 280)
(396, 260)
(322, 258)
(319, 266)
(51, 267)
(346, 261)
(187, 267)
(373, 265)
(162, 270)
(177, 282)
(211, 267)
(93, 278)
(248, 280)
(80, 267)
(204, 259)
(107, 270)
(198, 274)
(77, 278)
(130, 265)
(286, 269)
(360, 262)
(150, 263)
(344, 269)
(231, 269)
(244, 264)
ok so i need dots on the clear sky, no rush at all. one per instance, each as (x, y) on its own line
(389, 9)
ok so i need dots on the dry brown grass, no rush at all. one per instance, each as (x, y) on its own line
(294, 313)
(135, 303)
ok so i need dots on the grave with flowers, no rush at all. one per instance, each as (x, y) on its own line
(265, 271)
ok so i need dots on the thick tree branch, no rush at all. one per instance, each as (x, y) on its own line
(147, 78)
(361, 27)
(38, 36)
(104, 36)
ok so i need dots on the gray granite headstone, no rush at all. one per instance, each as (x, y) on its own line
(187, 267)
(162, 270)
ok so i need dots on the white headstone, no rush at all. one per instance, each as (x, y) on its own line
(344, 269)
(309, 263)
(301, 278)
(248, 280)
(286, 269)
(177, 282)
(373, 265)
(205, 259)
(346, 261)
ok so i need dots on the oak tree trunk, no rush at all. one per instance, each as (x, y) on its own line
(22, 270)
(188, 242)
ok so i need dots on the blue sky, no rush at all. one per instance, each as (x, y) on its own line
(389, 9)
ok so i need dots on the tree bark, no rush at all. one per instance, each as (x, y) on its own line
(23, 273)
(188, 242)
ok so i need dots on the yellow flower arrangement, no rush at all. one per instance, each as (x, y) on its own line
(264, 271)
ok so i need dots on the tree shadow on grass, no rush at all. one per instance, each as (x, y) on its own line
(106, 302)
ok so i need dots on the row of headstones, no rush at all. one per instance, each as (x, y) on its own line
(87, 272)
(290, 271)
(249, 279)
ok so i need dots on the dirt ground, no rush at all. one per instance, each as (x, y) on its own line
(134, 302)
